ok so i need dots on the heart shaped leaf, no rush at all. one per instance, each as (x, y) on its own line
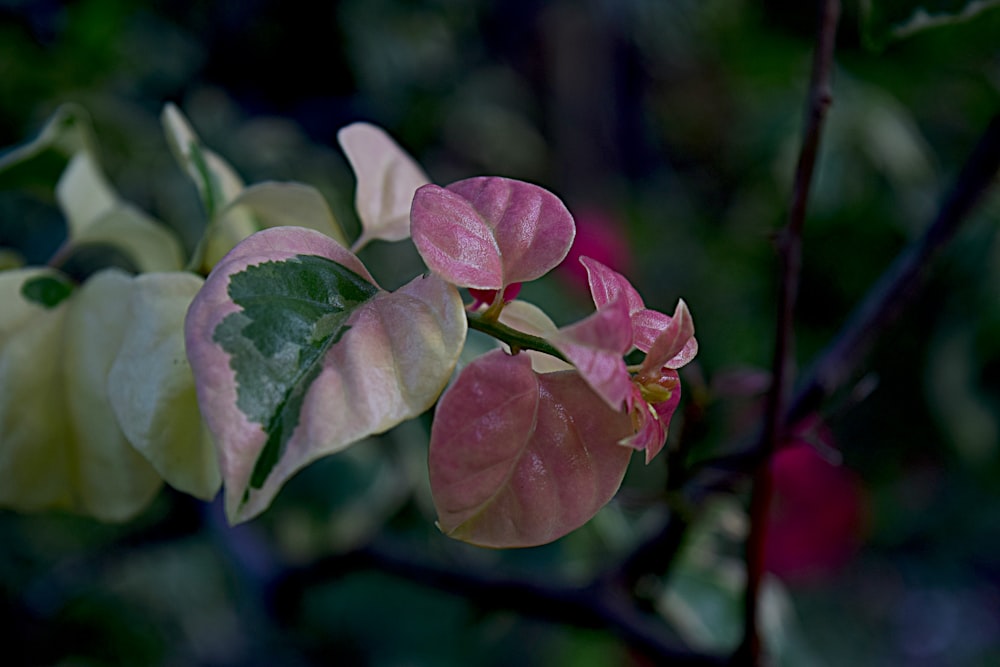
(297, 354)
(490, 232)
(518, 458)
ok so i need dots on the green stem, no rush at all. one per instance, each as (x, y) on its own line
(517, 340)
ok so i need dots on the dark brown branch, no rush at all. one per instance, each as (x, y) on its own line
(897, 288)
(599, 605)
(790, 249)
(901, 282)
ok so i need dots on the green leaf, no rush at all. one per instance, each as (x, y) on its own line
(233, 211)
(293, 311)
(885, 20)
(217, 182)
(47, 291)
(218, 185)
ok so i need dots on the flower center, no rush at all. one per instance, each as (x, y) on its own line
(656, 390)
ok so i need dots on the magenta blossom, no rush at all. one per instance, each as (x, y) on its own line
(649, 393)
(819, 514)
(599, 235)
(522, 451)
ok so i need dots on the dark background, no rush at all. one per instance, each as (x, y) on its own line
(673, 126)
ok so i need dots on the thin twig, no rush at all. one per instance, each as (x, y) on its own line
(896, 288)
(790, 249)
(901, 282)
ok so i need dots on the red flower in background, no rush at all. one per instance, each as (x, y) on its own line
(598, 236)
(818, 512)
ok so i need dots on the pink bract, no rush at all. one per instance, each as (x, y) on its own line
(607, 285)
(519, 458)
(672, 347)
(595, 345)
(489, 232)
(651, 421)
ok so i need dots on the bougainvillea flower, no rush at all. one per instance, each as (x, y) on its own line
(596, 344)
(600, 237)
(523, 453)
(607, 285)
(489, 232)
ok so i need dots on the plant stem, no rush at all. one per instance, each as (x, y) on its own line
(790, 250)
(597, 605)
(894, 290)
(900, 283)
(517, 340)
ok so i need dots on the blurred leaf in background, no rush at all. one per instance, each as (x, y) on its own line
(884, 20)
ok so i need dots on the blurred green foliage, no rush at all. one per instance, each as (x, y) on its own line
(677, 120)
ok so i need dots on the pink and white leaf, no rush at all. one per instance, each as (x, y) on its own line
(388, 362)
